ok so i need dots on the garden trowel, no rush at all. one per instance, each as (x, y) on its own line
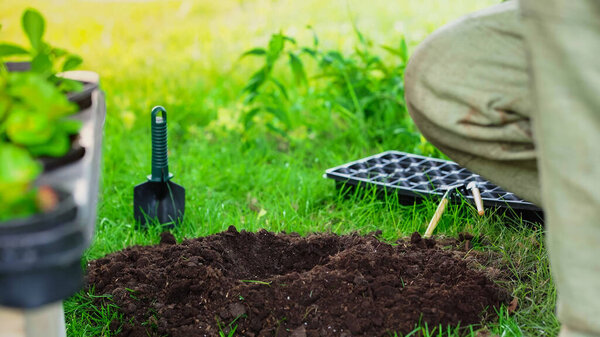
(441, 207)
(159, 198)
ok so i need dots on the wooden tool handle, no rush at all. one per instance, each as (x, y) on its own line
(436, 218)
(478, 201)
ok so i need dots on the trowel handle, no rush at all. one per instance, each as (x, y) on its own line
(436, 217)
(160, 161)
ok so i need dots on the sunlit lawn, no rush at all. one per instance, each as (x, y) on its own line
(185, 55)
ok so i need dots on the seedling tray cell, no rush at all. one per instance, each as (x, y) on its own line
(416, 177)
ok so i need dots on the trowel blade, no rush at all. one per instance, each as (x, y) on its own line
(164, 201)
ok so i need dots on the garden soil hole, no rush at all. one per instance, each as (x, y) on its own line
(267, 284)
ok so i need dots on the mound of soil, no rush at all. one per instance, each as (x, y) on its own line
(287, 285)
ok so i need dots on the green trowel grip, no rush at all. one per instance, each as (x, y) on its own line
(160, 160)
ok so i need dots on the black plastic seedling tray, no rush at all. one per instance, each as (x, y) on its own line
(416, 177)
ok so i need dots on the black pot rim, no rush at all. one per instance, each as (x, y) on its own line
(83, 98)
(64, 211)
(34, 288)
(76, 152)
(18, 66)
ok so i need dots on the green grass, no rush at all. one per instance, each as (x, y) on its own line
(184, 55)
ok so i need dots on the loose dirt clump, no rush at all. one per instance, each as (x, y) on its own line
(286, 285)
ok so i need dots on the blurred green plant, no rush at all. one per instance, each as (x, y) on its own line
(17, 170)
(362, 84)
(32, 112)
(45, 59)
(362, 88)
(264, 92)
(33, 107)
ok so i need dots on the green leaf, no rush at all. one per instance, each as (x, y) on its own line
(41, 64)
(359, 34)
(297, 69)
(57, 146)
(257, 79)
(290, 39)
(36, 94)
(403, 50)
(5, 102)
(275, 47)
(69, 85)
(374, 60)
(58, 52)
(254, 51)
(16, 165)
(280, 114)
(309, 51)
(248, 116)
(26, 127)
(33, 25)
(72, 62)
(332, 57)
(275, 129)
(7, 49)
(392, 50)
(281, 87)
(70, 126)
(250, 97)
(17, 171)
(315, 37)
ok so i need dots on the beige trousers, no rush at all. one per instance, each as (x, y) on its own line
(514, 94)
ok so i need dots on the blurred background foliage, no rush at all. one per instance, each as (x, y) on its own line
(263, 96)
(185, 55)
(320, 82)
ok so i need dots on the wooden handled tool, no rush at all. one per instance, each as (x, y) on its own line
(436, 217)
(440, 210)
(472, 186)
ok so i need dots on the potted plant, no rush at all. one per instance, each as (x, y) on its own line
(51, 122)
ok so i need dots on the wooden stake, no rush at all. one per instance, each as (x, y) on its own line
(472, 186)
(478, 201)
(436, 217)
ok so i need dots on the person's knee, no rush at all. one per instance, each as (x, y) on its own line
(455, 69)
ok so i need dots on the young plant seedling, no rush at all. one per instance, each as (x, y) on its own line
(159, 198)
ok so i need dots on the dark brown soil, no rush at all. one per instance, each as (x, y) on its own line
(287, 285)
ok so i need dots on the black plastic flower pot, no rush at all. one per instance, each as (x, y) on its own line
(75, 153)
(83, 98)
(40, 255)
(80, 177)
(18, 66)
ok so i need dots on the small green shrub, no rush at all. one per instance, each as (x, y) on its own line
(264, 92)
(360, 91)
